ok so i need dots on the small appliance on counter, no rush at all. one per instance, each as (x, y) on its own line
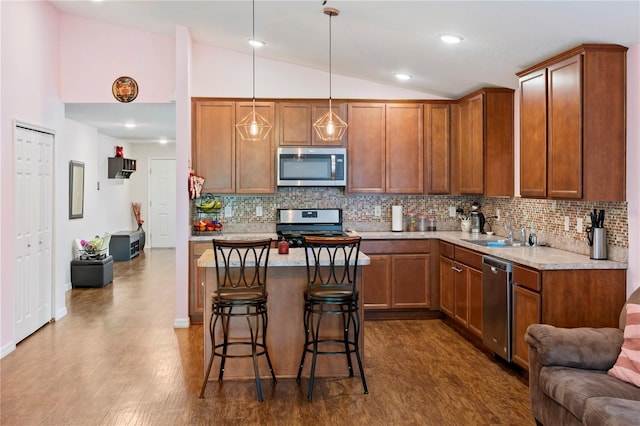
(294, 224)
(477, 219)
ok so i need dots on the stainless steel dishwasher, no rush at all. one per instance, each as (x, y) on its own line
(496, 305)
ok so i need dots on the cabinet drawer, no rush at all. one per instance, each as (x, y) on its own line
(526, 277)
(197, 248)
(468, 257)
(395, 246)
(446, 250)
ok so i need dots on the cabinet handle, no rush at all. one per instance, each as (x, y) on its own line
(456, 269)
(201, 283)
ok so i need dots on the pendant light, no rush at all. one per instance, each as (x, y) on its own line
(253, 127)
(330, 127)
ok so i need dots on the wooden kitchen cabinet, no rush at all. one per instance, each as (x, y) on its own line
(366, 148)
(404, 149)
(399, 276)
(564, 298)
(572, 119)
(197, 280)
(461, 286)
(437, 152)
(482, 143)
(385, 148)
(295, 122)
(229, 164)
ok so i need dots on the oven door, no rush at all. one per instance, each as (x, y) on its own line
(312, 166)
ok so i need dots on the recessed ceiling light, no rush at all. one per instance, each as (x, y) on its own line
(256, 43)
(450, 38)
(403, 76)
(130, 125)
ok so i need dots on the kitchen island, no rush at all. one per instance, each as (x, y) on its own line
(286, 282)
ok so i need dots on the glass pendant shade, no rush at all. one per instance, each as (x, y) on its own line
(253, 127)
(330, 127)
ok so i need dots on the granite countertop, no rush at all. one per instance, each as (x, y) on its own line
(541, 258)
(296, 257)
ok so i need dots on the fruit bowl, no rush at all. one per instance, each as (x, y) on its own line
(208, 204)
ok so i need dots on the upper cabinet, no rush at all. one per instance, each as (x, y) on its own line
(385, 148)
(482, 143)
(437, 151)
(572, 122)
(295, 122)
(228, 163)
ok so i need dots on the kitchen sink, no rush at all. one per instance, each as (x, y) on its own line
(494, 243)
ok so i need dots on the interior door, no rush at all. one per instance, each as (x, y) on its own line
(162, 203)
(33, 204)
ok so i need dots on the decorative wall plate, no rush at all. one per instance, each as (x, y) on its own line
(124, 89)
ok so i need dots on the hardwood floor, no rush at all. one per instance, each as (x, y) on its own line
(116, 359)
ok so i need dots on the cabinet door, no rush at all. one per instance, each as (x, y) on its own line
(317, 111)
(472, 145)
(461, 294)
(213, 144)
(564, 178)
(533, 134)
(294, 124)
(446, 285)
(475, 301)
(377, 283)
(255, 160)
(437, 159)
(410, 281)
(404, 149)
(366, 148)
(526, 311)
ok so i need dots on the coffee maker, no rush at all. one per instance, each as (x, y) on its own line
(477, 219)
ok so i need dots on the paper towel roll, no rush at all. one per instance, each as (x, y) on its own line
(396, 218)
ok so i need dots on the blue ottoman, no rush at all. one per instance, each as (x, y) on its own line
(92, 272)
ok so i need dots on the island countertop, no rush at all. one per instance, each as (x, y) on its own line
(296, 257)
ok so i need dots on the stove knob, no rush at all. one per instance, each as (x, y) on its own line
(299, 242)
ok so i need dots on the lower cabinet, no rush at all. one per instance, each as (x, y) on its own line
(461, 286)
(197, 277)
(399, 275)
(564, 298)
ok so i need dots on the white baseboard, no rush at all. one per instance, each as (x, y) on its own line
(181, 323)
(61, 313)
(7, 349)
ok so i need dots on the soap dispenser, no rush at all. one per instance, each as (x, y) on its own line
(533, 239)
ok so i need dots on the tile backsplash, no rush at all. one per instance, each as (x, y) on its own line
(547, 216)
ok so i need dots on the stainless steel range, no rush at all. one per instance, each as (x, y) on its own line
(294, 224)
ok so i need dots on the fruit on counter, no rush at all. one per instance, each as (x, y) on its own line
(207, 225)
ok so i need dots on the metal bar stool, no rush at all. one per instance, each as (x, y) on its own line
(332, 266)
(241, 270)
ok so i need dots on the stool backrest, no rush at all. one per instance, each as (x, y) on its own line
(332, 261)
(241, 265)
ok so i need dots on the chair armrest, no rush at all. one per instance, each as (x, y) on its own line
(583, 347)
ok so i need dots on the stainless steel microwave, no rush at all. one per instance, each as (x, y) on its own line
(306, 166)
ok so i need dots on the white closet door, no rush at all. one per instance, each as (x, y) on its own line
(163, 203)
(33, 231)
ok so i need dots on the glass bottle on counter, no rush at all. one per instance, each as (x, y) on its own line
(431, 223)
(422, 223)
(412, 222)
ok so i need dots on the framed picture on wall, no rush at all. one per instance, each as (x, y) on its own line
(76, 189)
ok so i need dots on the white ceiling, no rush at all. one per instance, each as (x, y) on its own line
(373, 39)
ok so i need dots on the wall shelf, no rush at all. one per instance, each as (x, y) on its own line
(121, 168)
